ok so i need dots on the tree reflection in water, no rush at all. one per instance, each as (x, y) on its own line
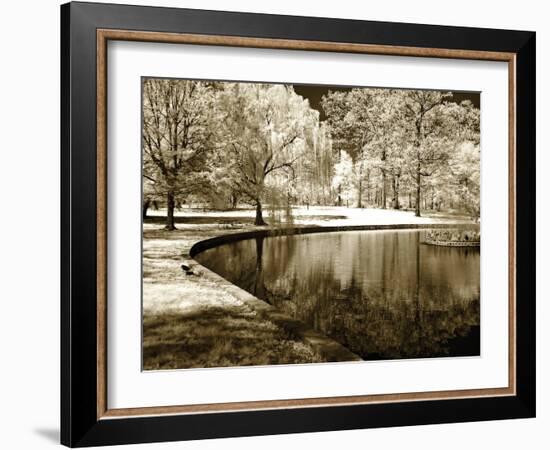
(382, 294)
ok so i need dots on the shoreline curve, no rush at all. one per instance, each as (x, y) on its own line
(216, 241)
(330, 349)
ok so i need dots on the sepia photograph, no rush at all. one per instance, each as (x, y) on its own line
(299, 224)
(271, 224)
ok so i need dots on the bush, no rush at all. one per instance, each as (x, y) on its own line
(453, 235)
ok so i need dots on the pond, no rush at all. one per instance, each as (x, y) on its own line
(381, 294)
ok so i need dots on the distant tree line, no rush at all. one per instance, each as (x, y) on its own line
(226, 144)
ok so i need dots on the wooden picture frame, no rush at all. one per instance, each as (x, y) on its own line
(85, 416)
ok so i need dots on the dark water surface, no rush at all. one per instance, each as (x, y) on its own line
(382, 294)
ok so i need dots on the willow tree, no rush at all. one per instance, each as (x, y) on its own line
(263, 128)
(311, 182)
(177, 118)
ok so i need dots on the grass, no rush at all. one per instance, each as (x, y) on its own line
(195, 321)
(218, 337)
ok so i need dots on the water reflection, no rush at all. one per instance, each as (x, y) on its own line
(382, 294)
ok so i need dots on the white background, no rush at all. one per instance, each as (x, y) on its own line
(29, 336)
(129, 387)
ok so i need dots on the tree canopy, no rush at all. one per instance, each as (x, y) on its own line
(225, 144)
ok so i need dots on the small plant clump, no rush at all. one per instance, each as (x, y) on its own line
(453, 236)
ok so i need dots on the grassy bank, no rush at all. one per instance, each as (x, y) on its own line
(218, 337)
(195, 320)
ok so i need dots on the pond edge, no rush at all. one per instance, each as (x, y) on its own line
(328, 348)
(209, 243)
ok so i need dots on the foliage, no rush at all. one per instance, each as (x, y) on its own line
(342, 182)
(453, 235)
(177, 138)
(225, 144)
(264, 132)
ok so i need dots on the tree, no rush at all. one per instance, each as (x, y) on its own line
(428, 128)
(350, 116)
(263, 129)
(437, 128)
(336, 106)
(401, 139)
(362, 121)
(359, 119)
(311, 182)
(150, 189)
(223, 144)
(466, 175)
(383, 141)
(393, 160)
(464, 162)
(177, 117)
(342, 180)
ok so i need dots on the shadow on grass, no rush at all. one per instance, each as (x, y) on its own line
(218, 337)
(244, 220)
(449, 215)
(206, 219)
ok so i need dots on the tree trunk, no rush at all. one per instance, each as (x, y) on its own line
(383, 189)
(396, 193)
(234, 201)
(170, 206)
(259, 217)
(417, 145)
(359, 196)
(368, 188)
(145, 208)
(417, 206)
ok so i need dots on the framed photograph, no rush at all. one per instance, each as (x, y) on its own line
(276, 224)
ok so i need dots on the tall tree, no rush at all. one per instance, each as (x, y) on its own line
(176, 137)
(152, 193)
(428, 125)
(361, 121)
(343, 179)
(311, 183)
(384, 143)
(465, 158)
(263, 128)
